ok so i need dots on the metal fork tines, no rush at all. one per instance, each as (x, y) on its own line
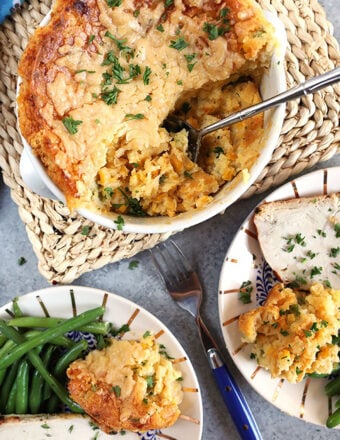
(184, 287)
(181, 281)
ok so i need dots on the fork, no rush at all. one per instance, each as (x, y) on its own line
(184, 287)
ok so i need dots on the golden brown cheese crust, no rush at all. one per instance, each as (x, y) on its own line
(63, 76)
(128, 385)
(292, 332)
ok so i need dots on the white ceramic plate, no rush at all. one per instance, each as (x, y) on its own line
(244, 261)
(273, 82)
(65, 301)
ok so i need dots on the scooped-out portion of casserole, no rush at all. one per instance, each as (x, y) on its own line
(100, 78)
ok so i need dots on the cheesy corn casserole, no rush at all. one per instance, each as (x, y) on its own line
(293, 331)
(128, 385)
(100, 78)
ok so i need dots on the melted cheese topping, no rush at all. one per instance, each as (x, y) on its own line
(102, 83)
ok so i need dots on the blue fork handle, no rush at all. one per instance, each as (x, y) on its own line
(233, 398)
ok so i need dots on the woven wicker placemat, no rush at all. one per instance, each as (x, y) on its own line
(310, 134)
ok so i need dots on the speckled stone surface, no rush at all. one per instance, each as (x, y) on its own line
(205, 245)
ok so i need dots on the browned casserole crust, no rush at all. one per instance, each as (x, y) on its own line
(128, 385)
(101, 76)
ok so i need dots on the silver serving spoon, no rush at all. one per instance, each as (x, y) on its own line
(173, 124)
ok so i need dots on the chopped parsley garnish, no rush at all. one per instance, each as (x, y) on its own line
(224, 12)
(299, 239)
(133, 264)
(136, 13)
(284, 332)
(168, 3)
(120, 44)
(146, 334)
(245, 291)
(311, 255)
(188, 174)
(218, 151)
(136, 116)
(321, 232)
(116, 390)
(91, 38)
(315, 271)
(189, 59)
(133, 204)
(307, 333)
(290, 248)
(85, 230)
(298, 371)
(298, 281)
(148, 98)
(84, 70)
(70, 429)
(337, 230)
(334, 252)
(179, 82)
(110, 96)
(146, 75)
(160, 28)
(22, 261)
(178, 44)
(120, 223)
(114, 3)
(337, 266)
(71, 124)
(108, 191)
(327, 284)
(45, 426)
(214, 31)
(149, 381)
(163, 351)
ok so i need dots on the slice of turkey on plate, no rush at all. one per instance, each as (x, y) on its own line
(300, 239)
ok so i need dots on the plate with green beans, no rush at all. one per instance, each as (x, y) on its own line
(43, 332)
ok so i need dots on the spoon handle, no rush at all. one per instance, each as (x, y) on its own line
(310, 86)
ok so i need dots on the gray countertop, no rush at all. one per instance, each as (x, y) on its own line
(205, 245)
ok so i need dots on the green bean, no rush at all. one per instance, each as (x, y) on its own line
(52, 404)
(96, 327)
(38, 364)
(61, 340)
(332, 388)
(7, 385)
(3, 339)
(16, 309)
(59, 371)
(22, 381)
(334, 419)
(37, 383)
(69, 357)
(10, 404)
(2, 375)
(26, 345)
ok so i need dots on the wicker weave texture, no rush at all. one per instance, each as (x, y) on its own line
(310, 134)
